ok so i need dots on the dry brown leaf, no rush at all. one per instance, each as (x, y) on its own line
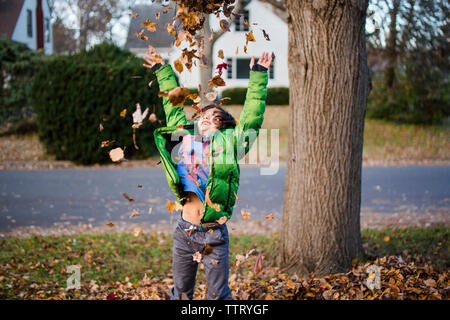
(216, 81)
(270, 216)
(197, 257)
(220, 54)
(222, 220)
(245, 214)
(110, 224)
(178, 66)
(178, 96)
(128, 197)
(135, 213)
(225, 25)
(150, 26)
(211, 96)
(116, 154)
(137, 232)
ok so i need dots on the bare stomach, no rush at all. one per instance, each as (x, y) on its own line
(193, 208)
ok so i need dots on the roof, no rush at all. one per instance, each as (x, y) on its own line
(158, 39)
(9, 13)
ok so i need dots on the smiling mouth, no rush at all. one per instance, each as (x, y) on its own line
(206, 122)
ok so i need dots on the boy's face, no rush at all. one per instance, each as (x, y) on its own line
(206, 124)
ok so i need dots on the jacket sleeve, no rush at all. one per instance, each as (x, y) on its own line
(167, 81)
(252, 116)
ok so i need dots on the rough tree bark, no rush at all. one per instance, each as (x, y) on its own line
(329, 85)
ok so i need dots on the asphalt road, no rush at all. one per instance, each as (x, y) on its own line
(94, 196)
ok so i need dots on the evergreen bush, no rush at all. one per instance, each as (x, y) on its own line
(74, 95)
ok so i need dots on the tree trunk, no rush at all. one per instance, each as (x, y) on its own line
(391, 45)
(329, 86)
(206, 71)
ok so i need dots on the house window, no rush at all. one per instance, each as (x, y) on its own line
(230, 68)
(47, 30)
(242, 68)
(239, 22)
(29, 23)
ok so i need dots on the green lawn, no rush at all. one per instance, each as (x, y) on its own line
(37, 266)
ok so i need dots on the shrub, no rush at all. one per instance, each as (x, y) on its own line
(73, 95)
(418, 96)
(275, 96)
(18, 65)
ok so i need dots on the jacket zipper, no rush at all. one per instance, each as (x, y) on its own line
(170, 174)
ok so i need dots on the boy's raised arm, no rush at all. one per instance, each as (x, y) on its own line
(252, 115)
(167, 81)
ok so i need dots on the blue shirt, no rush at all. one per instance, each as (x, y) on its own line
(193, 167)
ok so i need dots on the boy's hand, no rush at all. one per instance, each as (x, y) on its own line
(264, 60)
(152, 57)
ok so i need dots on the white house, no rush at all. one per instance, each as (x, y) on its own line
(28, 22)
(260, 15)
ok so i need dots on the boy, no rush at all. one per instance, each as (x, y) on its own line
(204, 183)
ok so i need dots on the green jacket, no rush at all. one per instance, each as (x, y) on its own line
(223, 180)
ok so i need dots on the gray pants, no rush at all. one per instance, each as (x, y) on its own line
(216, 263)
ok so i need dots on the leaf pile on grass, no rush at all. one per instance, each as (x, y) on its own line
(412, 262)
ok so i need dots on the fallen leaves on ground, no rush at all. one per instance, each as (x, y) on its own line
(138, 266)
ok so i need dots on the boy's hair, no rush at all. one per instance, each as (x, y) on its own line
(222, 118)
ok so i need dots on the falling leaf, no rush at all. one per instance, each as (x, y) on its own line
(106, 143)
(211, 96)
(386, 239)
(245, 214)
(216, 81)
(270, 216)
(100, 127)
(237, 198)
(134, 15)
(258, 264)
(246, 23)
(197, 257)
(152, 118)
(211, 37)
(150, 26)
(265, 35)
(163, 94)
(138, 116)
(110, 224)
(178, 96)
(139, 185)
(170, 206)
(149, 211)
(157, 15)
(237, 50)
(224, 99)
(222, 220)
(222, 66)
(210, 231)
(137, 232)
(170, 29)
(245, 49)
(116, 154)
(220, 54)
(207, 250)
(123, 113)
(225, 25)
(178, 66)
(249, 37)
(128, 197)
(135, 213)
